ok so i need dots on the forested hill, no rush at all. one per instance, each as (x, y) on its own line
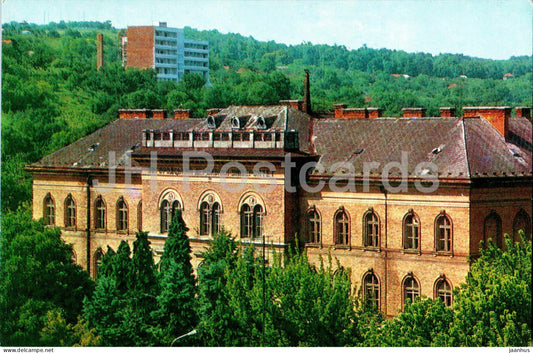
(52, 93)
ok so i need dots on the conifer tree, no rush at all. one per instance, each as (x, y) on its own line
(214, 314)
(175, 314)
(141, 297)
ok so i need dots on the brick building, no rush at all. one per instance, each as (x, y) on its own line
(166, 50)
(403, 202)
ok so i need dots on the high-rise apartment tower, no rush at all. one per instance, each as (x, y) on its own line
(166, 50)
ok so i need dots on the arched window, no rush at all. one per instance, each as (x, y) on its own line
(493, 229)
(210, 210)
(522, 221)
(246, 221)
(370, 229)
(411, 231)
(258, 221)
(443, 233)
(49, 210)
(443, 290)
(371, 290)
(205, 215)
(122, 214)
(168, 205)
(313, 226)
(70, 212)
(342, 228)
(99, 214)
(411, 289)
(252, 212)
(98, 255)
(140, 216)
(215, 218)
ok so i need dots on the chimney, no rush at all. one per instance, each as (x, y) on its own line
(133, 113)
(342, 112)
(447, 112)
(374, 112)
(99, 51)
(338, 109)
(295, 103)
(307, 93)
(159, 114)
(498, 117)
(414, 112)
(162, 24)
(524, 112)
(212, 111)
(182, 114)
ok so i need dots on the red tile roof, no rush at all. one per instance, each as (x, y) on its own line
(464, 148)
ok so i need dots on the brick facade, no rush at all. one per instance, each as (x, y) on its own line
(285, 216)
(467, 195)
(140, 47)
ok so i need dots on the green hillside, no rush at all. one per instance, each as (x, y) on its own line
(53, 95)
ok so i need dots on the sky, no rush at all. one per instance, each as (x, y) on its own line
(495, 29)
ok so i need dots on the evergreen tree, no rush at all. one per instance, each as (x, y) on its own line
(141, 298)
(125, 296)
(175, 314)
(213, 310)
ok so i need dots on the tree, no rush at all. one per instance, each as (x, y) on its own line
(423, 323)
(142, 295)
(310, 306)
(213, 311)
(175, 313)
(38, 275)
(493, 307)
(57, 332)
(125, 296)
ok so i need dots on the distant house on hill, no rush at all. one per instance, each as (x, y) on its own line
(507, 76)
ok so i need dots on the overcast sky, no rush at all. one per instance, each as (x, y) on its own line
(484, 28)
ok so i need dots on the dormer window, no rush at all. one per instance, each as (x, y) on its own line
(261, 123)
(211, 124)
(235, 123)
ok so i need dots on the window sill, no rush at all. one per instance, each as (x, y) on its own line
(411, 251)
(371, 248)
(125, 232)
(443, 253)
(342, 247)
(313, 245)
(72, 229)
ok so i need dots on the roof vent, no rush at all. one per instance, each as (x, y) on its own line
(93, 146)
(437, 150)
(515, 152)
